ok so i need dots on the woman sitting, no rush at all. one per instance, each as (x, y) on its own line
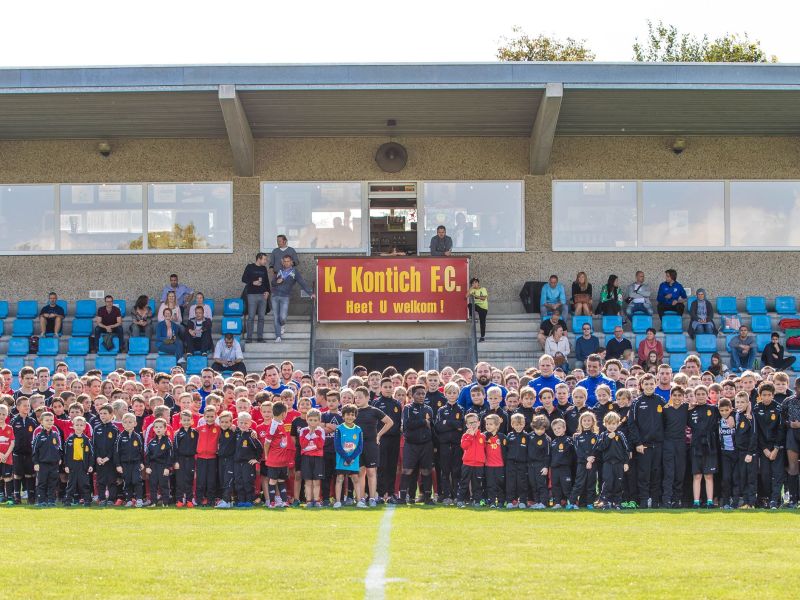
(581, 295)
(772, 356)
(557, 346)
(174, 310)
(650, 344)
(169, 336)
(717, 368)
(610, 298)
(200, 300)
(701, 315)
(142, 318)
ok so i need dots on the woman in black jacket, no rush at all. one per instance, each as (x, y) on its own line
(772, 356)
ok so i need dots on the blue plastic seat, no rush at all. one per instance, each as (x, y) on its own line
(106, 364)
(640, 337)
(76, 364)
(762, 339)
(165, 362)
(232, 325)
(728, 338)
(64, 306)
(139, 345)
(726, 305)
(233, 307)
(195, 364)
(761, 324)
(675, 342)
(135, 363)
(785, 305)
(610, 322)
(78, 346)
(676, 360)
(756, 305)
(122, 305)
(14, 364)
(27, 309)
(796, 365)
(672, 324)
(3, 309)
(211, 304)
(102, 351)
(152, 304)
(45, 361)
(48, 346)
(689, 301)
(705, 360)
(85, 309)
(705, 342)
(22, 328)
(82, 327)
(641, 323)
(579, 321)
(18, 346)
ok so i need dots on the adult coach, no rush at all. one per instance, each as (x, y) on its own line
(483, 376)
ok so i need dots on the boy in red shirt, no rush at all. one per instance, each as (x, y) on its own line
(279, 450)
(495, 461)
(473, 463)
(207, 440)
(6, 460)
(312, 444)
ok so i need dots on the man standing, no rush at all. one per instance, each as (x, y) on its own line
(51, 317)
(256, 280)
(283, 249)
(553, 299)
(594, 378)
(441, 243)
(483, 375)
(546, 378)
(637, 295)
(671, 295)
(282, 285)
(743, 350)
(183, 295)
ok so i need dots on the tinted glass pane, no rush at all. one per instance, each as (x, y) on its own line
(27, 218)
(190, 216)
(101, 217)
(683, 214)
(765, 213)
(594, 214)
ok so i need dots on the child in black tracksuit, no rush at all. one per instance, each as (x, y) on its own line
(79, 465)
(704, 423)
(159, 459)
(538, 462)
(612, 449)
(646, 437)
(676, 417)
(46, 457)
(562, 457)
(584, 489)
(184, 449)
(745, 441)
(449, 426)
(129, 461)
(517, 463)
(245, 460)
(104, 440)
(727, 454)
(771, 440)
(226, 448)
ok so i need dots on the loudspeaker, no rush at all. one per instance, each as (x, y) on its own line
(530, 295)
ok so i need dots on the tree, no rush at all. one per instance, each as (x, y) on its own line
(522, 47)
(666, 44)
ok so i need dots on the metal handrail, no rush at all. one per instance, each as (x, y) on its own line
(474, 333)
(312, 339)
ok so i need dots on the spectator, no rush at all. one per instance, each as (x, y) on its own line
(282, 285)
(228, 353)
(183, 295)
(441, 243)
(547, 326)
(701, 315)
(650, 345)
(171, 303)
(283, 249)
(51, 317)
(256, 289)
(169, 336)
(637, 296)
(717, 368)
(772, 356)
(200, 300)
(651, 363)
(581, 295)
(141, 318)
(553, 299)
(671, 295)
(480, 298)
(557, 346)
(743, 350)
(585, 345)
(610, 298)
(617, 344)
(463, 235)
(199, 333)
(108, 322)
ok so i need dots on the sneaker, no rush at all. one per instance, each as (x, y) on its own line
(248, 340)
(361, 504)
(396, 501)
(745, 507)
(696, 504)
(510, 504)
(556, 506)
(283, 329)
(588, 506)
(460, 505)
(493, 505)
(246, 505)
(727, 507)
(129, 504)
(571, 506)
(337, 505)
(204, 502)
(788, 505)
(179, 505)
(222, 504)
(139, 504)
(447, 502)
(430, 502)
(119, 502)
(190, 505)
(278, 340)
(773, 505)
(23, 495)
(295, 504)
(373, 502)
(482, 503)
(522, 505)
(349, 501)
(279, 503)
(481, 339)
(539, 506)
(709, 504)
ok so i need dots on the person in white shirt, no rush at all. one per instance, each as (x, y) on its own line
(228, 355)
(557, 344)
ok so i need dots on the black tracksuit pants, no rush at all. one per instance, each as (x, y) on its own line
(389, 454)
(648, 473)
(449, 472)
(674, 470)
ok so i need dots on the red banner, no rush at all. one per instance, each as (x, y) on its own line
(392, 289)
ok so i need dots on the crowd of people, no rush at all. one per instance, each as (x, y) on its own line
(608, 437)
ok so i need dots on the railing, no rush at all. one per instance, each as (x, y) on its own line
(474, 333)
(312, 339)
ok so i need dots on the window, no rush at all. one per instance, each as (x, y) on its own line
(683, 214)
(764, 214)
(27, 218)
(594, 214)
(322, 215)
(479, 215)
(189, 216)
(101, 217)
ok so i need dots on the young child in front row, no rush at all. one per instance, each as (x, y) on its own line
(704, 423)
(495, 460)
(517, 463)
(348, 442)
(245, 461)
(473, 463)
(129, 461)
(78, 464)
(158, 460)
(613, 451)
(185, 444)
(727, 454)
(746, 451)
(538, 462)
(584, 489)
(312, 464)
(561, 459)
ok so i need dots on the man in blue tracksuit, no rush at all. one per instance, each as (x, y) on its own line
(594, 378)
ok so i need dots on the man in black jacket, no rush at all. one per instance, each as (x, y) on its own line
(256, 280)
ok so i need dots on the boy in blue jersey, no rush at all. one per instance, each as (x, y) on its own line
(348, 442)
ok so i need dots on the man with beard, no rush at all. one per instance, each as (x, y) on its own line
(664, 382)
(594, 378)
(483, 375)
(273, 380)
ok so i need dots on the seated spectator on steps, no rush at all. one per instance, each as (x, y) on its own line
(142, 318)
(108, 320)
(671, 295)
(610, 298)
(701, 315)
(51, 317)
(199, 332)
(650, 364)
(637, 296)
(581, 299)
(557, 346)
(773, 356)
(617, 345)
(650, 344)
(171, 303)
(718, 368)
(547, 326)
(743, 350)
(200, 300)
(183, 294)
(169, 336)
(228, 355)
(553, 299)
(585, 345)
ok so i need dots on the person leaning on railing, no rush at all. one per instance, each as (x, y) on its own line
(480, 298)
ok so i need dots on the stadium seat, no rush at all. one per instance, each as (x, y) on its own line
(14, 364)
(675, 342)
(18, 346)
(78, 346)
(705, 342)
(672, 324)
(165, 362)
(761, 324)
(705, 360)
(22, 328)
(3, 309)
(689, 301)
(726, 305)
(756, 305)
(785, 305)
(211, 304)
(135, 363)
(796, 365)
(122, 305)
(232, 325)
(45, 361)
(195, 364)
(762, 339)
(105, 364)
(578, 322)
(48, 346)
(102, 351)
(610, 322)
(731, 326)
(76, 363)
(641, 323)
(676, 360)
(85, 309)
(233, 307)
(139, 346)
(728, 338)
(82, 327)
(64, 306)
(152, 304)
(2, 328)
(27, 309)
(640, 337)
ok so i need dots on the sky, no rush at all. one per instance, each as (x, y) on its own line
(88, 32)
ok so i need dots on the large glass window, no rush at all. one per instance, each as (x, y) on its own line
(478, 215)
(189, 216)
(683, 214)
(321, 215)
(765, 214)
(101, 217)
(27, 218)
(594, 214)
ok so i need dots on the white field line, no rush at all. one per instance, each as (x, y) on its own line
(375, 582)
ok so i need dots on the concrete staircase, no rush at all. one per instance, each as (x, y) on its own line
(293, 347)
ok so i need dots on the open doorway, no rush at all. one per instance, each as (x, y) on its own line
(375, 361)
(393, 219)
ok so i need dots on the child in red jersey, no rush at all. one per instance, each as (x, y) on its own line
(495, 461)
(207, 440)
(299, 423)
(312, 444)
(473, 464)
(279, 450)
(6, 460)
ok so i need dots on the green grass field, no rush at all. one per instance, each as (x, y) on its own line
(433, 553)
